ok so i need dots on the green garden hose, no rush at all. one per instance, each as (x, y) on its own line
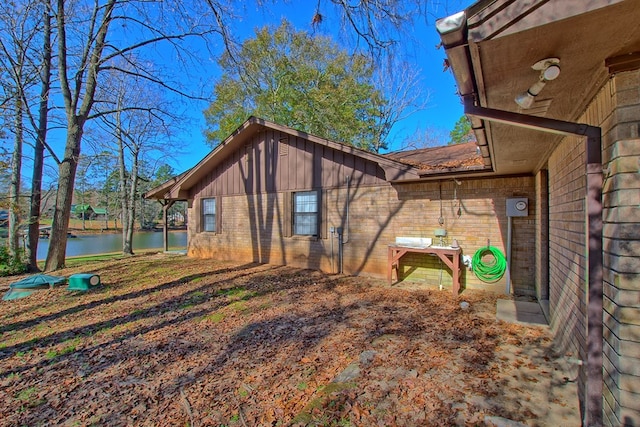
(493, 270)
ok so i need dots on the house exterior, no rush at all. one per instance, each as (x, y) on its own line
(275, 195)
(88, 212)
(553, 91)
(99, 213)
(82, 211)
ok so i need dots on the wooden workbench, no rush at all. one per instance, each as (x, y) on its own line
(450, 256)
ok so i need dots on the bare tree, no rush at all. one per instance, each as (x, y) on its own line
(17, 31)
(140, 122)
(77, 104)
(86, 47)
(26, 50)
(16, 176)
(79, 68)
(104, 166)
(40, 142)
(425, 138)
(379, 24)
(403, 97)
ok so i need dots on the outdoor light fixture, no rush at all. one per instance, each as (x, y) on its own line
(549, 70)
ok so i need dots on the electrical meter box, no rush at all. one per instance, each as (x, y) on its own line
(518, 206)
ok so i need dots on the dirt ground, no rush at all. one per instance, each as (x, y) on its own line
(173, 341)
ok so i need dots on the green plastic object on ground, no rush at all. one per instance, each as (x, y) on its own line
(492, 271)
(83, 281)
(25, 287)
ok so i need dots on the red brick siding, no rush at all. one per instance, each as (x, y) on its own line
(253, 228)
(616, 109)
(621, 242)
(567, 261)
(542, 235)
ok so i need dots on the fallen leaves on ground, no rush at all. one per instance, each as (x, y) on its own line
(168, 340)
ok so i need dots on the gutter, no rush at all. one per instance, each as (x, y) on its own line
(455, 39)
(454, 32)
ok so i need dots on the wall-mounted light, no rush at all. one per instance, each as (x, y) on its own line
(549, 70)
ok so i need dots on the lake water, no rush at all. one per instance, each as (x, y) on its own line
(93, 244)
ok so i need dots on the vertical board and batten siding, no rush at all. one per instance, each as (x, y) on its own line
(272, 161)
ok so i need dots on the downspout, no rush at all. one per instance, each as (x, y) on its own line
(593, 413)
(593, 134)
(346, 227)
(344, 230)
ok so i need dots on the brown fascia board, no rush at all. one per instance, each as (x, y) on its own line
(627, 62)
(393, 169)
(162, 190)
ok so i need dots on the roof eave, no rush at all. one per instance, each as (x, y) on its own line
(163, 190)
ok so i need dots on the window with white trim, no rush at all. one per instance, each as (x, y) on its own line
(305, 213)
(209, 215)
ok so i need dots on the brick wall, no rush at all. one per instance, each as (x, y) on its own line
(621, 243)
(616, 109)
(542, 235)
(252, 229)
(567, 261)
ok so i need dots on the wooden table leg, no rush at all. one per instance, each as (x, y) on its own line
(389, 264)
(456, 274)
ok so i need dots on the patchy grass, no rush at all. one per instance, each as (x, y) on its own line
(29, 398)
(174, 340)
(216, 317)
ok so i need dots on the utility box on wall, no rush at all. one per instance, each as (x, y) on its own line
(518, 206)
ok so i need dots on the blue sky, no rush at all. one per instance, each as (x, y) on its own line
(442, 111)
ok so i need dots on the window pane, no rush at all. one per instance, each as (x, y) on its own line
(306, 224)
(209, 223)
(209, 214)
(306, 202)
(305, 217)
(208, 206)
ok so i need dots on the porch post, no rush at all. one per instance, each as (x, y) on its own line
(166, 204)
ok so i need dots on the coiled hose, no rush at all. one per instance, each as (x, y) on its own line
(493, 270)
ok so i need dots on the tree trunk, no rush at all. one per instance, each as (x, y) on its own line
(77, 112)
(38, 155)
(131, 215)
(67, 174)
(106, 211)
(14, 186)
(36, 196)
(127, 233)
